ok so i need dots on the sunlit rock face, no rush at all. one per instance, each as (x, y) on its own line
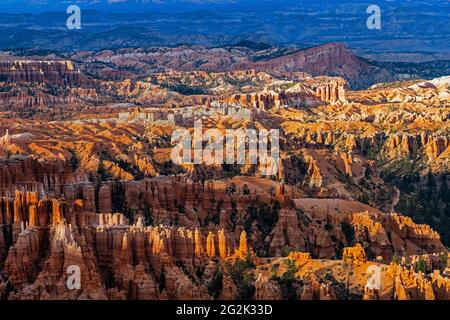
(17, 71)
(87, 181)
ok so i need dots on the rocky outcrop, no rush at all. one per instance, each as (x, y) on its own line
(407, 145)
(118, 260)
(313, 289)
(101, 198)
(330, 89)
(30, 174)
(267, 289)
(354, 255)
(308, 93)
(259, 100)
(39, 71)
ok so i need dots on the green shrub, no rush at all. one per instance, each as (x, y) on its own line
(421, 265)
(242, 273)
(287, 281)
(286, 250)
(396, 259)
